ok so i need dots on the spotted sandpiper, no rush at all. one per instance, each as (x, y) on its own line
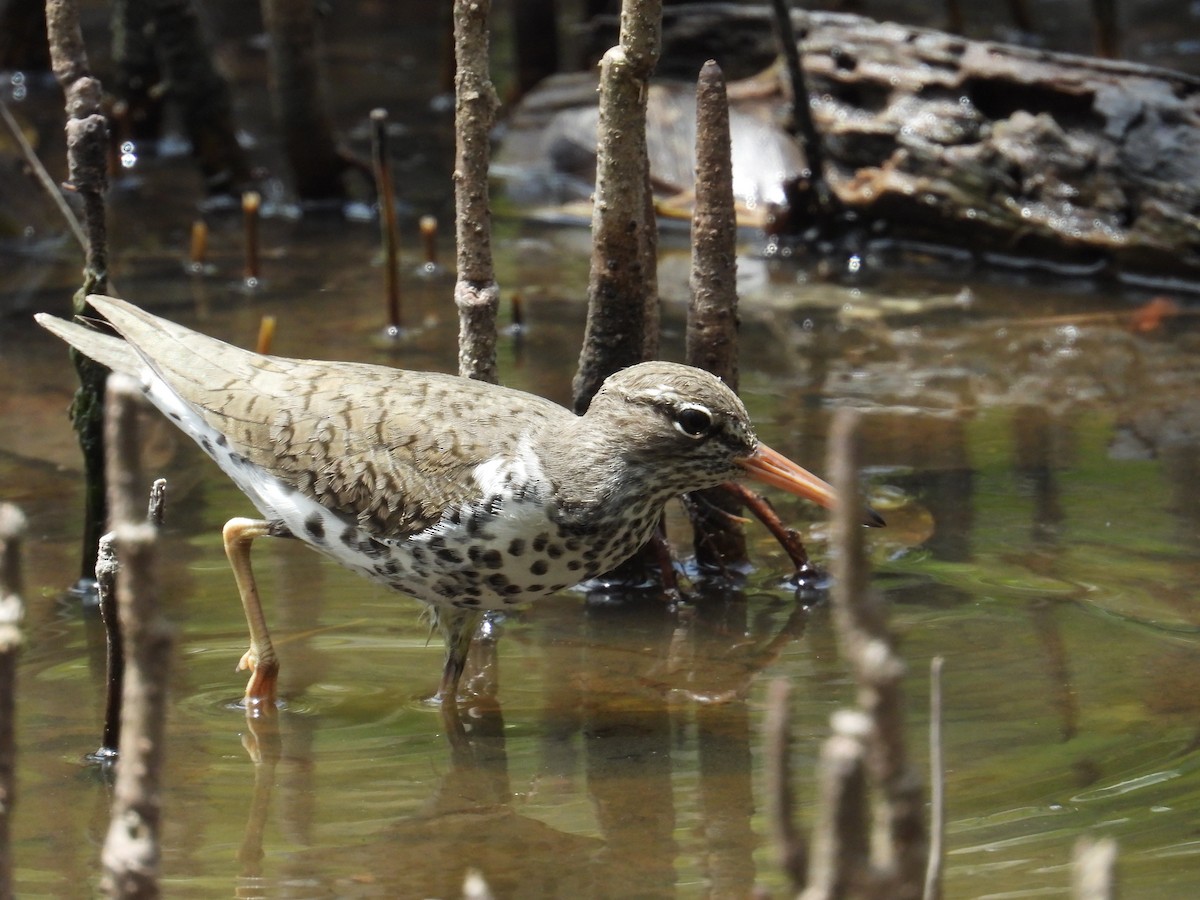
(466, 495)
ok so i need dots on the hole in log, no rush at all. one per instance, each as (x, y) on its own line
(999, 98)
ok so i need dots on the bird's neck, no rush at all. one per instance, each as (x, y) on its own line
(593, 477)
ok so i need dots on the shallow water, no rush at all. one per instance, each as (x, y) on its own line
(1036, 460)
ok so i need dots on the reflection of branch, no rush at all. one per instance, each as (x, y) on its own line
(898, 846)
(1054, 655)
(777, 733)
(937, 785)
(1092, 869)
(12, 528)
(131, 848)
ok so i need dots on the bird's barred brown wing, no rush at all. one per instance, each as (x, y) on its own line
(390, 448)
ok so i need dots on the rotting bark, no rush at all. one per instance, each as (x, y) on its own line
(712, 322)
(899, 845)
(12, 530)
(476, 293)
(1000, 153)
(622, 231)
(87, 158)
(131, 849)
(200, 93)
(298, 90)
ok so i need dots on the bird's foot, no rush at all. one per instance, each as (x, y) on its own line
(264, 675)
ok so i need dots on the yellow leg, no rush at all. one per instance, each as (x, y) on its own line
(260, 659)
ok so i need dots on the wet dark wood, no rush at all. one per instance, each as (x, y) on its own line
(712, 322)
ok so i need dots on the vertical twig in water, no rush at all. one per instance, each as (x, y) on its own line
(1108, 32)
(266, 335)
(12, 529)
(385, 190)
(201, 94)
(122, 458)
(790, 847)
(838, 864)
(298, 92)
(476, 293)
(198, 247)
(899, 844)
(802, 125)
(1093, 869)
(622, 291)
(156, 509)
(87, 154)
(114, 650)
(937, 785)
(131, 850)
(535, 40)
(428, 227)
(712, 322)
(122, 450)
(251, 203)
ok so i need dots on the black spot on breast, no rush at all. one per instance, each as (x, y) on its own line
(535, 588)
(174, 417)
(574, 565)
(540, 542)
(349, 537)
(315, 527)
(222, 441)
(372, 547)
(493, 559)
(539, 567)
(513, 589)
(516, 547)
(499, 581)
(445, 554)
(554, 551)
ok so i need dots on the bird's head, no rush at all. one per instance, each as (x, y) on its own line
(686, 430)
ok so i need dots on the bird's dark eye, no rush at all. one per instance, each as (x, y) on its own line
(694, 421)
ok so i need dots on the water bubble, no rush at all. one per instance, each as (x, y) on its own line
(128, 155)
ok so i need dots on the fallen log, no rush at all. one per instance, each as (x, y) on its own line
(1005, 154)
(1006, 150)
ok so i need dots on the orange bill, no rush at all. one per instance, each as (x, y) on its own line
(775, 469)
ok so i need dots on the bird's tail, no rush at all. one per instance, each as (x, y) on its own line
(107, 349)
